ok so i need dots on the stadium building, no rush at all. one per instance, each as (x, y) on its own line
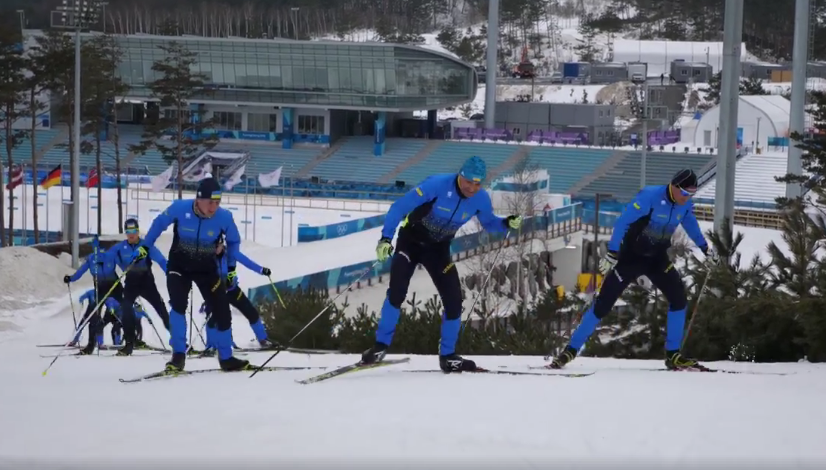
(301, 91)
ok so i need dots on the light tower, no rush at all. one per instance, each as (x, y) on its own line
(76, 15)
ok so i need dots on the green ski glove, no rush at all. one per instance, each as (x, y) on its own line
(384, 249)
(513, 222)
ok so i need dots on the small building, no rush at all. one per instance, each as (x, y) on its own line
(816, 70)
(521, 119)
(761, 70)
(609, 72)
(691, 72)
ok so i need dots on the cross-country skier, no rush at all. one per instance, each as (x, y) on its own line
(140, 282)
(638, 247)
(103, 271)
(113, 316)
(238, 300)
(430, 215)
(109, 307)
(198, 226)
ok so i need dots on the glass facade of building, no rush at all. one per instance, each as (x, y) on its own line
(317, 74)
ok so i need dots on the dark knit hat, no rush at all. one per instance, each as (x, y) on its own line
(131, 226)
(685, 179)
(209, 188)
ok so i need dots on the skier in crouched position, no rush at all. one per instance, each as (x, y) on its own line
(430, 215)
(113, 315)
(638, 247)
(198, 226)
(102, 268)
(237, 299)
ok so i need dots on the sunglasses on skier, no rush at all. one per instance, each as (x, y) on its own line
(687, 193)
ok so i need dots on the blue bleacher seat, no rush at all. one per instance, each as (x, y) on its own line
(449, 156)
(355, 161)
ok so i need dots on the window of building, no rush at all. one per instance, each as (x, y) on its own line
(599, 72)
(697, 72)
(610, 73)
(227, 120)
(262, 122)
(172, 115)
(311, 125)
(601, 113)
(683, 72)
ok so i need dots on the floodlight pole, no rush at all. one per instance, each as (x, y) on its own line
(797, 113)
(491, 65)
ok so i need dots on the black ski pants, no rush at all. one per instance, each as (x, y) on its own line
(96, 323)
(658, 269)
(239, 300)
(212, 288)
(436, 260)
(140, 285)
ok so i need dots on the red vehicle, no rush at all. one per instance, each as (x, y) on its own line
(525, 68)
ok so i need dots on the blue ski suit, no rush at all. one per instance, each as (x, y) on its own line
(192, 259)
(430, 215)
(641, 238)
(237, 298)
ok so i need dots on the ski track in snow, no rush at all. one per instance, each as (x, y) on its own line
(80, 410)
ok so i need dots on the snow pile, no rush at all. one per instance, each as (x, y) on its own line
(29, 277)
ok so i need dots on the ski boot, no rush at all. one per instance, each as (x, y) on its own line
(208, 352)
(567, 355)
(88, 350)
(269, 345)
(233, 364)
(676, 361)
(177, 363)
(456, 363)
(126, 350)
(374, 354)
(139, 344)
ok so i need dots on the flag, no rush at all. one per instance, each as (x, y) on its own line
(92, 178)
(235, 178)
(15, 177)
(54, 177)
(270, 179)
(160, 182)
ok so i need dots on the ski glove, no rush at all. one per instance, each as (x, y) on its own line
(266, 272)
(513, 222)
(140, 253)
(712, 257)
(384, 249)
(608, 263)
(231, 276)
(67, 279)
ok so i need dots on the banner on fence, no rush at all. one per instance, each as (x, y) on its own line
(330, 279)
(326, 232)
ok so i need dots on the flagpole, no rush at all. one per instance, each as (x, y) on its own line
(48, 203)
(246, 208)
(88, 203)
(25, 201)
(292, 205)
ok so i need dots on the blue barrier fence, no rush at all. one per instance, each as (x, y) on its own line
(326, 232)
(343, 276)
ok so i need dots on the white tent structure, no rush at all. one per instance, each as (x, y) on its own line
(758, 119)
(659, 54)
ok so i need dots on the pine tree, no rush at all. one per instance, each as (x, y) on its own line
(175, 89)
(586, 49)
(104, 87)
(12, 111)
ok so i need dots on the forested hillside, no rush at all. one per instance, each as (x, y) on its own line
(768, 25)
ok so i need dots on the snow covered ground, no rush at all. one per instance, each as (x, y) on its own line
(79, 414)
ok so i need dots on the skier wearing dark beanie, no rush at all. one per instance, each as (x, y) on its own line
(638, 247)
(198, 226)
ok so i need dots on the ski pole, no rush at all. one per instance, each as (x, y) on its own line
(330, 304)
(696, 307)
(72, 304)
(487, 279)
(89, 318)
(276, 293)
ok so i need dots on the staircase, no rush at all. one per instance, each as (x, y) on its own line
(608, 165)
(306, 169)
(415, 159)
(520, 155)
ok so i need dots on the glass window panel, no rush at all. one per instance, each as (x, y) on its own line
(229, 74)
(321, 79)
(287, 76)
(369, 83)
(357, 80)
